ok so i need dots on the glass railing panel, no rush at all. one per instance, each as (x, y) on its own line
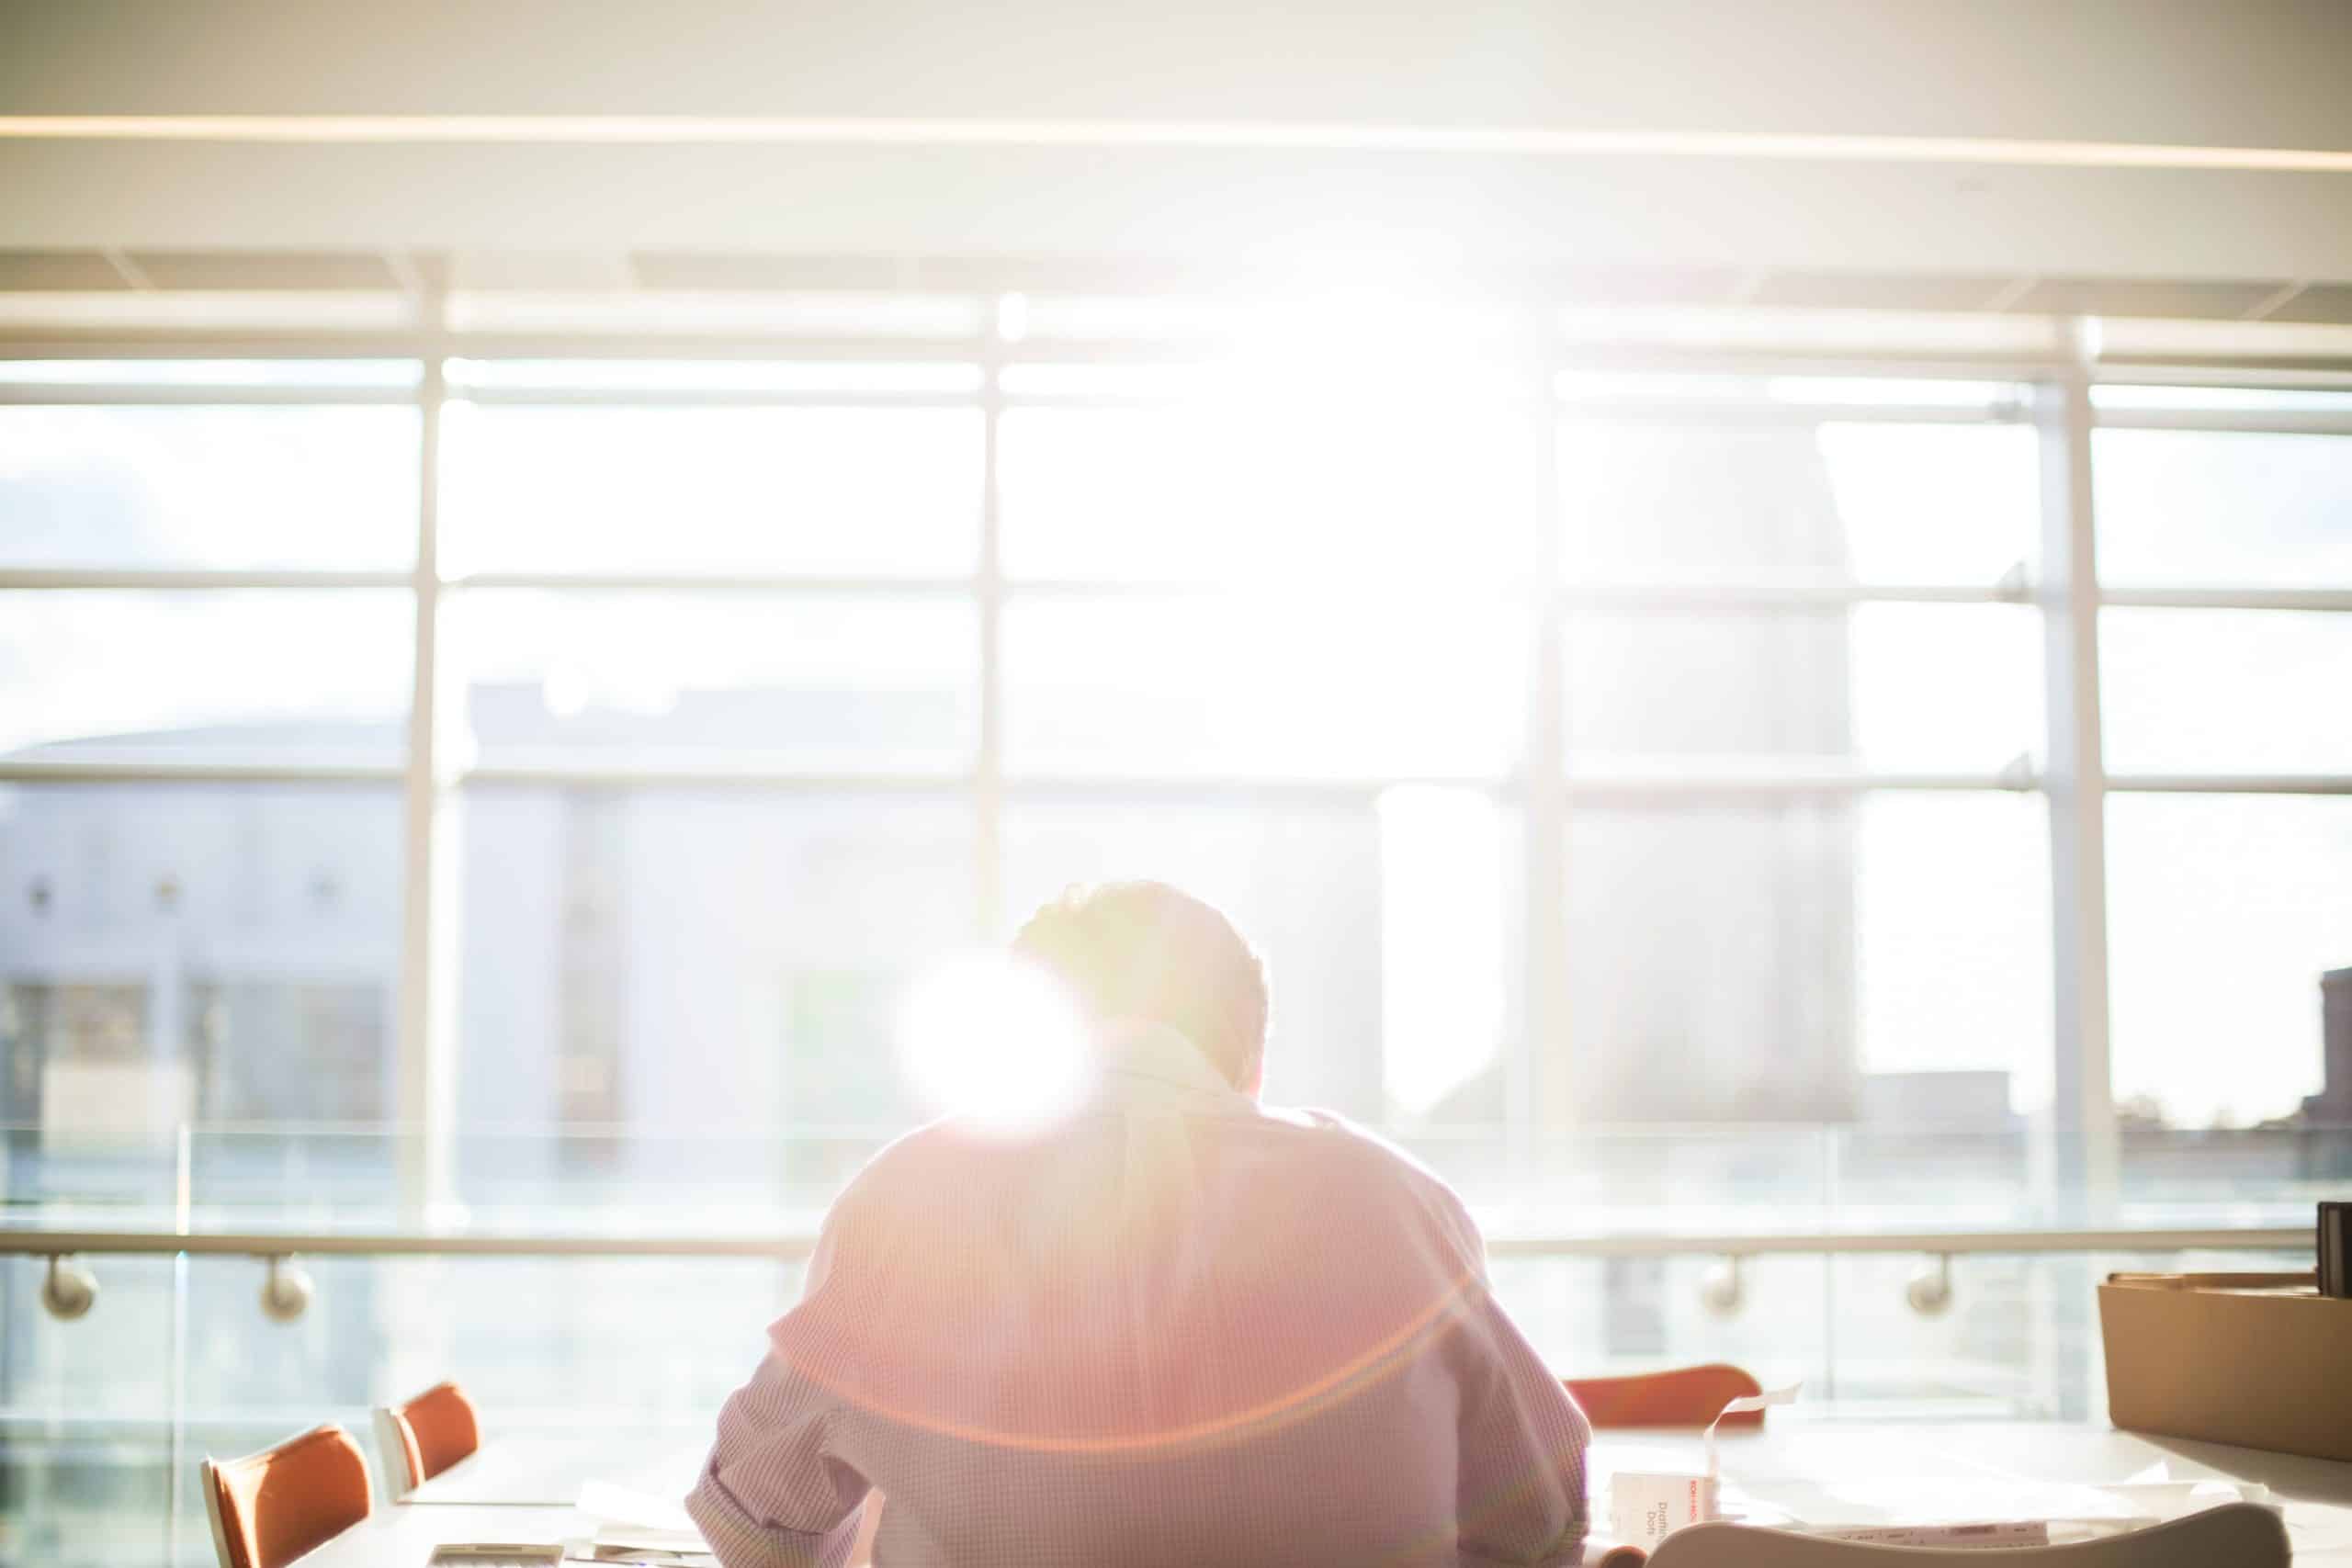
(1929, 1178)
(1604, 1317)
(553, 1341)
(293, 1177)
(87, 1178)
(103, 1417)
(1609, 1180)
(89, 1428)
(1673, 1180)
(2249, 1176)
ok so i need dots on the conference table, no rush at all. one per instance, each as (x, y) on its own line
(525, 1487)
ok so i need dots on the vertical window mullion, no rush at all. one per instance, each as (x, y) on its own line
(988, 785)
(423, 1099)
(2081, 1156)
(1542, 1096)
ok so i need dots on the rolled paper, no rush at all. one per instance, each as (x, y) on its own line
(1783, 1395)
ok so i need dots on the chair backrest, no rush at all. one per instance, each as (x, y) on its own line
(269, 1509)
(427, 1435)
(2241, 1535)
(1681, 1396)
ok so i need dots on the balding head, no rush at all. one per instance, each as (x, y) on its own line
(1143, 950)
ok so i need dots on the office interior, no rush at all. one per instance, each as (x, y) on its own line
(1749, 605)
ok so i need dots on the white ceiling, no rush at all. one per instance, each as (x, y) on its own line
(2263, 74)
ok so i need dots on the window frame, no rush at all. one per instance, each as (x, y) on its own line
(1548, 371)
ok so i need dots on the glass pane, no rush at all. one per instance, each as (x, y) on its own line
(175, 953)
(712, 490)
(791, 681)
(1885, 686)
(1386, 490)
(1941, 1142)
(251, 487)
(87, 1474)
(2223, 913)
(1433, 686)
(294, 1049)
(2199, 508)
(2226, 691)
(1952, 950)
(670, 961)
(1893, 937)
(1837, 503)
(312, 675)
(1327, 896)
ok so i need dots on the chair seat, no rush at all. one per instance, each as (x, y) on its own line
(269, 1509)
(427, 1435)
(1680, 1396)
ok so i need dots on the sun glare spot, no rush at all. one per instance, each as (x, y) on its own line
(1442, 940)
(996, 1041)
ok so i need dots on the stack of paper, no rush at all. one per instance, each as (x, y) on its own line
(641, 1527)
(1952, 1511)
(623, 1543)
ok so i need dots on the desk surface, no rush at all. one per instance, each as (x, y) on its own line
(548, 1469)
(404, 1538)
(1785, 1458)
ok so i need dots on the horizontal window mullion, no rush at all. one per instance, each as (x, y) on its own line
(1698, 596)
(2227, 422)
(1663, 789)
(1181, 401)
(1024, 787)
(706, 397)
(1697, 786)
(34, 769)
(2144, 782)
(1736, 414)
(588, 774)
(1232, 789)
(2321, 598)
(199, 579)
(148, 394)
(782, 583)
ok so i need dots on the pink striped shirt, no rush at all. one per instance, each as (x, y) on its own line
(1178, 1329)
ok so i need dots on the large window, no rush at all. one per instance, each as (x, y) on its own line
(2225, 551)
(1579, 748)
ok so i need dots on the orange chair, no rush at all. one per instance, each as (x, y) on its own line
(426, 1436)
(1684, 1397)
(269, 1509)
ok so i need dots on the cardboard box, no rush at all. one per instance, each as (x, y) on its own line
(2262, 1360)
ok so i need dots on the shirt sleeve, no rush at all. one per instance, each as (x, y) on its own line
(1520, 1439)
(771, 1495)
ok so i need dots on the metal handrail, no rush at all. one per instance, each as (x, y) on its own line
(282, 1244)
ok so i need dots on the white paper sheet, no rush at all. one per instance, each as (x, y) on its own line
(611, 1505)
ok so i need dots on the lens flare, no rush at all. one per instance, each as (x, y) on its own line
(996, 1042)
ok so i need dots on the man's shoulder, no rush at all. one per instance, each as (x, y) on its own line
(918, 1155)
(1350, 1159)
(1370, 1160)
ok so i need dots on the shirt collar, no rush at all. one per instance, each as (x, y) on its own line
(1141, 1056)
